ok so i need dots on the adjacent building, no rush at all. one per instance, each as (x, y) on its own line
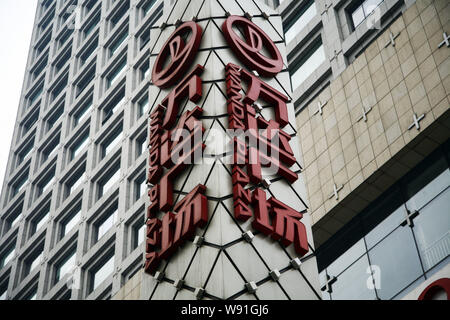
(369, 81)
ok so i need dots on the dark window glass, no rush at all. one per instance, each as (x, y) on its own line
(398, 262)
(432, 230)
(352, 283)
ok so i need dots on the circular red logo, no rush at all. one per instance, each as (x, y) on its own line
(249, 49)
(434, 287)
(181, 48)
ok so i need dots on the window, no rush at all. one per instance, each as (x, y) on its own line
(7, 257)
(15, 219)
(79, 146)
(59, 87)
(141, 187)
(117, 73)
(86, 80)
(47, 183)
(29, 123)
(83, 112)
(91, 26)
(107, 222)
(385, 227)
(399, 247)
(141, 146)
(143, 106)
(69, 223)
(118, 43)
(138, 235)
(88, 52)
(307, 64)
(3, 292)
(120, 13)
(20, 185)
(362, 10)
(25, 152)
(114, 105)
(43, 43)
(300, 20)
(109, 181)
(56, 115)
(46, 22)
(145, 38)
(148, 6)
(104, 271)
(63, 38)
(36, 95)
(45, 5)
(112, 142)
(32, 295)
(431, 230)
(144, 71)
(90, 5)
(51, 149)
(79, 179)
(65, 266)
(62, 60)
(41, 219)
(35, 261)
(352, 282)
(36, 71)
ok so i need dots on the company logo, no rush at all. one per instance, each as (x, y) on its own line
(249, 49)
(180, 50)
(434, 288)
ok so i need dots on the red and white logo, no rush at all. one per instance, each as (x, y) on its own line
(249, 49)
(180, 52)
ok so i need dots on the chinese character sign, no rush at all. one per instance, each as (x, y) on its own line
(260, 147)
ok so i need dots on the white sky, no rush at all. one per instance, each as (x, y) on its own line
(16, 24)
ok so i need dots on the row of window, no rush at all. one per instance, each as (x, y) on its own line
(78, 177)
(47, 179)
(70, 220)
(115, 44)
(110, 108)
(314, 55)
(66, 263)
(73, 15)
(111, 80)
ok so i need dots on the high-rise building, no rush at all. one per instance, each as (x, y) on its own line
(369, 83)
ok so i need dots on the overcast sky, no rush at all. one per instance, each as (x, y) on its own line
(16, 23)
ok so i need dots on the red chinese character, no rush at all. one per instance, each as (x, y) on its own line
(190, 86)
(258, 89)
(175, 228)
(261, 146)
(286, 225)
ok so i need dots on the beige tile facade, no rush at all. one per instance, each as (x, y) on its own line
(131, 290)
(391, 84)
